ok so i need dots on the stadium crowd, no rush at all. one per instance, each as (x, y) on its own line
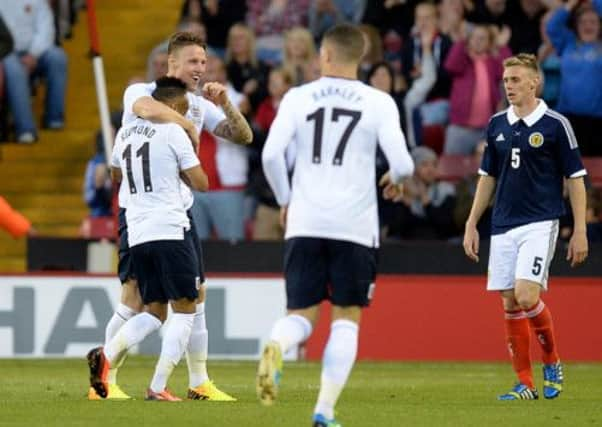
(441, 61)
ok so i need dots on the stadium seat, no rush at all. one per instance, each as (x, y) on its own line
(434, 137)
(453, 168)
(98, 228)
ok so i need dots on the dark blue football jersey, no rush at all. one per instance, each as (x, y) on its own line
(529, 157)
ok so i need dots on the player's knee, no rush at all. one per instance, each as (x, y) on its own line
(526, 300)
(509, 301)
(130, 295)
(159, 310)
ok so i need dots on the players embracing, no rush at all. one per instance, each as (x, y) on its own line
(186, 62)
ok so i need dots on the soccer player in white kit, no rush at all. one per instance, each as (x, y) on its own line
(531, 149)
(151, 158)
(330, 210)
(187, 60)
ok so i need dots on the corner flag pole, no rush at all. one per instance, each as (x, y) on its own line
(99, 77)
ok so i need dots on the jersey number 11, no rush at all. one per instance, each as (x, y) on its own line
(144, 153)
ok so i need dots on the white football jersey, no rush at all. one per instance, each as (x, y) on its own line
(335, 125)
(203, 113)
(150, 157)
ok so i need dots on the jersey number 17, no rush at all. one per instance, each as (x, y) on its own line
(318, 117)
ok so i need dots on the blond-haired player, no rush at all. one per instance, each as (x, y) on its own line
(530, 151)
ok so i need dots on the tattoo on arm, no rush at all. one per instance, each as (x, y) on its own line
(235, 127)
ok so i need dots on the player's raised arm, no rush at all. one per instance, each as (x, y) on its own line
(273, 156)
(234, 127)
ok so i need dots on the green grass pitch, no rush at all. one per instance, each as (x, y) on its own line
(52, 393)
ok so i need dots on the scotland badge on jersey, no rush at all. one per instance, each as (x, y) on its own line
(536, 139)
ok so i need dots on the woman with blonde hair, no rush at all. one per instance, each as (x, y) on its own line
(247, 74)
(299, 51)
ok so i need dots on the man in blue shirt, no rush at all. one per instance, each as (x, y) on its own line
(530, 150)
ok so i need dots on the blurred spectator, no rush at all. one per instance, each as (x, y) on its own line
(64, 12)
(13, 222)
(312, 71)
(299, 51)
(465, 191)
(524, 19)
(221, 208)
(420, 88)
(267, 216)
(436, 110)
(97, 183)
(426, 209)
(218, 16)
(157, 62)
(324, 14)
(581, 70)
(6, 39)
(476, 68)
(381, 77)
(34, 55)
(373, 49)
(391, 15)
(247, 74)
(6, 47)
(270, 19)
(452, 22)
(488, 12)
(549, 63)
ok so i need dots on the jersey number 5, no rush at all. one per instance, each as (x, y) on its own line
(144, 153)
(515, 158)
(318, 116)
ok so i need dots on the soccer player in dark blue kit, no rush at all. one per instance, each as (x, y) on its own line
(531, 150)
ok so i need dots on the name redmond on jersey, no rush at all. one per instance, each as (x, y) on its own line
(344, 93)
(138, 130)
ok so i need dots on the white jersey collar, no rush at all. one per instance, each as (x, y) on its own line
(531, 118)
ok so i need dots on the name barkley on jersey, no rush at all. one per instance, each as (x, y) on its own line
(345, 93)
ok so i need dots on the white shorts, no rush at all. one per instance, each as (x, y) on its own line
(523, 252)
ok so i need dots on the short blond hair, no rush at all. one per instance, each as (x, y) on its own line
(526, 60)
(348, 42)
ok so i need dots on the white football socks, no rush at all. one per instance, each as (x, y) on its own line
(338, 359)
(122, 314)
(175, 341)
(196, 352)
(290, 331)
(130, 334)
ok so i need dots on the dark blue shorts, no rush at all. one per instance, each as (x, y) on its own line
(166, 269)
(323, 269)
(125, 269)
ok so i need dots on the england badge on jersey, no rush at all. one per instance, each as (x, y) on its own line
(536, 139)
